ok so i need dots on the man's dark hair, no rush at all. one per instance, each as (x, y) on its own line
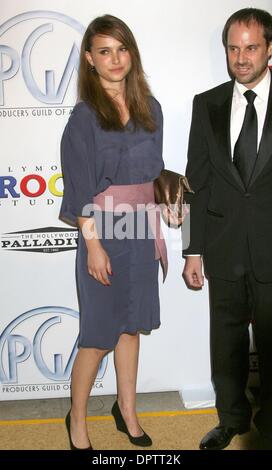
(247, 16)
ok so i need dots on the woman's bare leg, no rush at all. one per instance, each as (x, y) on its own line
(126, 356)
(84, 372)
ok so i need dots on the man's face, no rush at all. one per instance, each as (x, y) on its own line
(247, 53)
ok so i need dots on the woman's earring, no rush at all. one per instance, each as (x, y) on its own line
(92, 68)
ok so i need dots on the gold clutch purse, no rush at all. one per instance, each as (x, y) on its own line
(169, 189)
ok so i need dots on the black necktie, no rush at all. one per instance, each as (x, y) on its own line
(245, 150)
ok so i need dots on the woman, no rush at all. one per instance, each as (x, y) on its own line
(112, 147)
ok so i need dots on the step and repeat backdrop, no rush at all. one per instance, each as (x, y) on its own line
(182, 53)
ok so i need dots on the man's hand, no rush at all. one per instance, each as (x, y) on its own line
(192, 272)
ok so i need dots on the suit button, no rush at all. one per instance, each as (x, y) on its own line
(247, 194)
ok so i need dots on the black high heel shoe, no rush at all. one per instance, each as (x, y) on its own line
(142, 441)
(68, 427)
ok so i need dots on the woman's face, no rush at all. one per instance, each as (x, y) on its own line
(110, 58)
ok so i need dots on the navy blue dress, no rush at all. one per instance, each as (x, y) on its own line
(92, 160)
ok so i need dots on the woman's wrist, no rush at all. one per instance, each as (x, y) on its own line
(93, 244)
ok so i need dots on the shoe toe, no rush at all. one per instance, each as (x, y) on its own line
(218, 438)
(141, 441)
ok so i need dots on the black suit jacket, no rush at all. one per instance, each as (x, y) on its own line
(225, 217)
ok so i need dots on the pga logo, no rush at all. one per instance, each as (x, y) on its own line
(41, 342)
(35, 52)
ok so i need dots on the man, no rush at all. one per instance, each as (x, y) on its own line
(230, 170)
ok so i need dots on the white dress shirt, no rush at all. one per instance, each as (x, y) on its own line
(239, 104)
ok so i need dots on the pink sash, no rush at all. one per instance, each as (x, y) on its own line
(135, 195)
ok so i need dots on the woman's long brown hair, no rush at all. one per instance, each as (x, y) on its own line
(138, 92)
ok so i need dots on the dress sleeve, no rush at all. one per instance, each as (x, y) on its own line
(78, 167)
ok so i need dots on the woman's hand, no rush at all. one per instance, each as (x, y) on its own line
(99, 265)
(98, 262)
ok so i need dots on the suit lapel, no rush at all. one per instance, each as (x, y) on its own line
(220, 121)
(265, 148)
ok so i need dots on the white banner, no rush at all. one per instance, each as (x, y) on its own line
(180, 44)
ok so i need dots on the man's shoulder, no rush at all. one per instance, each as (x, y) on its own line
(222, 90)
